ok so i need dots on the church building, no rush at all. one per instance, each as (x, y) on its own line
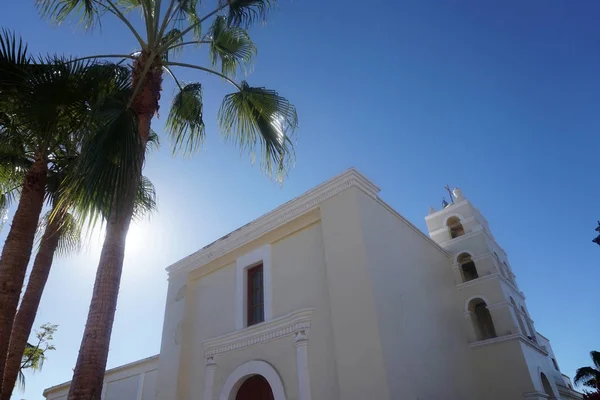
(335, 296)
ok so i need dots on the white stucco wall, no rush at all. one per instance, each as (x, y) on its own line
(357, 347)
(298, 282)
(420, 315)
(170, 349)
(135, 381)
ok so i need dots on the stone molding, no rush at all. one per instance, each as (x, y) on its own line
(489, 277)
(276, 218)
(296, 323)
(473, 282)
(514, 336)
(535, 396)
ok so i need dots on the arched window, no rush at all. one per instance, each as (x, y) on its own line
(547, 386)
(519, 319)
(455, 227)
(467, 267)
(482, 320)
(529, 325)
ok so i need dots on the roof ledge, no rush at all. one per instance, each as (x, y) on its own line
(274, 219)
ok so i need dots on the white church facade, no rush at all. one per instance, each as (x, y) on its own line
(335, 296)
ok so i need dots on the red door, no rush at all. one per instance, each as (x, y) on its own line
(255, 388)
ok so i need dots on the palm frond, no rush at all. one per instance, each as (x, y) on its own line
(129, 5)
(186, 10)
(145, 202)
(595, 356)
(12, 176)
(59, 10)
(70, 232)
(21, 380)
(8, 198)
(56, 102)
(231, 46)
(109, 158)
(14, 62)
(153, 141)
(185, 124)
(256, 116)
(246, 12)
(12, 49)
(587, 376)
(168, 37)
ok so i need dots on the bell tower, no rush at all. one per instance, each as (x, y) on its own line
(496, 319)
(494, 305)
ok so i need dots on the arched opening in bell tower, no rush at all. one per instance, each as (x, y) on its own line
(455, 227)
(468, 270)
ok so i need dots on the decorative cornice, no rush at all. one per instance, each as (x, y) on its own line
(276, 218)
(296, 324)
(452, 206)
(506, 338)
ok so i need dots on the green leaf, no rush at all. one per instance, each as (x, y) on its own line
(185, 123)
(231, 46)
(256, 116)
(246, 12)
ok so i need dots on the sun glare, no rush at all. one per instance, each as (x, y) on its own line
(138, 231)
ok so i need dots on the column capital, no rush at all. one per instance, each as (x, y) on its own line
(301, 338)
(210, 361)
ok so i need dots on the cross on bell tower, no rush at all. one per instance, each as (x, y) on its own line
(450, 193)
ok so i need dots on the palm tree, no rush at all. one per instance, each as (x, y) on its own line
(42, 107)
(62, 233)
(589, 376)
(18, 245)
(251, 116)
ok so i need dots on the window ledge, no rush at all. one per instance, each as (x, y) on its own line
(259, 333)
(506, 338)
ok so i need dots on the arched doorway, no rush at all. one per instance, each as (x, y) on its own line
(255, 388)
(243, 374)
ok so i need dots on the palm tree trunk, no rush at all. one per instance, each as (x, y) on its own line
(93, 352)
(29, 305)
(17, 250)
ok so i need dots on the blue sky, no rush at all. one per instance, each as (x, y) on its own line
(499, 98)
